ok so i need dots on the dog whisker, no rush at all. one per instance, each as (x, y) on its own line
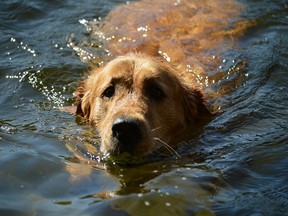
(155, 129)
(167, 146)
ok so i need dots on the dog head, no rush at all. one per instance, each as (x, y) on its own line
(138, 104)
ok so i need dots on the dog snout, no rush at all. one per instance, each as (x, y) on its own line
(127, 133)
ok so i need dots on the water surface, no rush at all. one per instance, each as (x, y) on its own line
(236, 166)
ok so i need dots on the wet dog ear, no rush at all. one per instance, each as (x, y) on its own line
(200, 104)
(192, 98)
(194, 104)
(80, 93)
(84, 96)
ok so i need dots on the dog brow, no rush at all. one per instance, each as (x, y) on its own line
(127, 80)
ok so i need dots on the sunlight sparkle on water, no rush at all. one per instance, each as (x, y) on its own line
(147, 203)
(23, 46)
(32, 74)
(165, 56)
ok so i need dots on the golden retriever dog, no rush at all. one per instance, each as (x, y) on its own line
(147, 97)
(138, 104)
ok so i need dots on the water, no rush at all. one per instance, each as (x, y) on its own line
(237, 165)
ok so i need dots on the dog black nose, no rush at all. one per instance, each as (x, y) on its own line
(127, 132)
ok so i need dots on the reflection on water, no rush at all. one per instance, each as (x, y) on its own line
(35, 74)
(235, 166)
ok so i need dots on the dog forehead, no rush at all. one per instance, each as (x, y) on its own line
(118, 67)
(134, 69)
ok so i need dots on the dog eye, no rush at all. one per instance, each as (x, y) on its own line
(156, 93)
(109, 92)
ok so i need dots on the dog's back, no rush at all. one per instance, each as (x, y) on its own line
(182, 32)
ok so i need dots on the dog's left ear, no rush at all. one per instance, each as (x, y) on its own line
(194, 104)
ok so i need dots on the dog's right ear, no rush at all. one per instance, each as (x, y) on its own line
(80, 92)
(84, 94)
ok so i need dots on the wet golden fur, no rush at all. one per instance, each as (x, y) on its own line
(153, 88)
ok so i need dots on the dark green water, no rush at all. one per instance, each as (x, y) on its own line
(237, 166)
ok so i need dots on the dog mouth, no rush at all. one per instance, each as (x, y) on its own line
(130, 140)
